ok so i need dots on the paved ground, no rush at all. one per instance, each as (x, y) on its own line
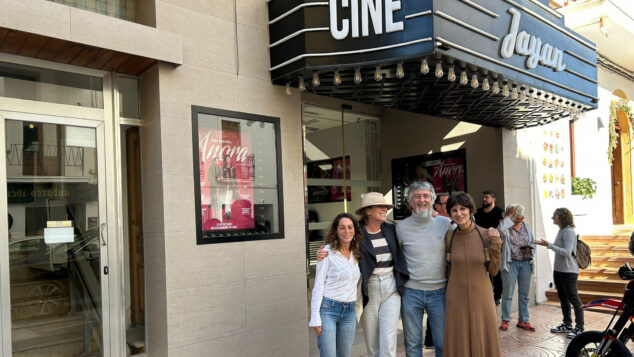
(515, 342)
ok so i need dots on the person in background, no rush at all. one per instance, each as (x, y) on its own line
(518, 249)
(332, 305)
(489, 216)
(440, 204)
(383, 276)
(472, 252)
(630, 246)
(423, 238)
(566, 272)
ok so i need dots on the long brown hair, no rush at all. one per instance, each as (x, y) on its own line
(565, 218)
(333, 239)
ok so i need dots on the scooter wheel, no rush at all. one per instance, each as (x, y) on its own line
(586, 344)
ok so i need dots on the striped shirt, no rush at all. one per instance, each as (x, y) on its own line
(384, 262)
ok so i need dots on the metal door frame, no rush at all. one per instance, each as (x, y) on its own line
(105, 122)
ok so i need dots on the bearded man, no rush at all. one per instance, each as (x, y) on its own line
(422, 237)
(489, 216)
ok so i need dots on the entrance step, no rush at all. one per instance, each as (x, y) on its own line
(51, 336)
(37, 328)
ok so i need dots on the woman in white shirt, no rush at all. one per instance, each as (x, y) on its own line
(332, 306)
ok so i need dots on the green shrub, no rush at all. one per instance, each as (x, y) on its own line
(586, 187)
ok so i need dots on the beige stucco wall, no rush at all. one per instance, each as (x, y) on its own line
(233, 299)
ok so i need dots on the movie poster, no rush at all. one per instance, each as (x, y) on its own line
(446, 171)
(328, 169)
(226, 179)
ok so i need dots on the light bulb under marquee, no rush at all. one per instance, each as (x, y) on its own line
(302, 84)
(451, 76)
(496, 87)
(378, 76)
(514, 93)
(400, 72)
(357, 75)
(474, 81)
(505, 90)
(439, 71)
(424, 66)
(316, 81)
(463, 78)
(288, 88)
(337, 78)
(485, 84)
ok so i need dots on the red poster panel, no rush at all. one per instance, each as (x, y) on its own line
(226, 179)
(446, 171)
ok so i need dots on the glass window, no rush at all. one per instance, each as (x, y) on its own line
(237, 166)
(46, 85)
(128, 97)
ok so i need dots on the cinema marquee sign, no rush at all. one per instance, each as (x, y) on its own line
(522, 41)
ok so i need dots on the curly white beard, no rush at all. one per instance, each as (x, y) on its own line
(422, 212)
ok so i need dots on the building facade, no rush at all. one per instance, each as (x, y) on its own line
(171, 165)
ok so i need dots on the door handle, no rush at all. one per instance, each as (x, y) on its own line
(103, 228)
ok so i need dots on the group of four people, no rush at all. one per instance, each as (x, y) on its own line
(435, 262)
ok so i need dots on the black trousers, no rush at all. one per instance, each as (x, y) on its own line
(496, 281)
(566, 284)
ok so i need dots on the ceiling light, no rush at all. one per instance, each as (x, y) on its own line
(463, 78)
(485, 84)
(474, 81)
(357, 75)
(439, 71)
(452, 74)
(337, 79)
(424, 66)
(400, 72)
(378, 76)
(505, 90)
(602, 28)
(496, 87)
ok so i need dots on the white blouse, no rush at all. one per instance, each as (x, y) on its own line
(336, 279)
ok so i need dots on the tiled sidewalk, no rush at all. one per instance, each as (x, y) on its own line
(515, 342)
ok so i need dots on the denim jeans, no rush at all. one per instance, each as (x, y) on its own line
(520, 272)
(380, 316)
(338, 322)
(415, 303)
(566, 284)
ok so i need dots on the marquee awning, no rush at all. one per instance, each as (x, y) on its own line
(508, 63)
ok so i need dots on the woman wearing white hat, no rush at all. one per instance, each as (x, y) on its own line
(383, 276)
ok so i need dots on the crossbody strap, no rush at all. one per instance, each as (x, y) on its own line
(487, 256)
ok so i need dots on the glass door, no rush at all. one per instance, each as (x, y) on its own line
(57, 237)
(336, 143)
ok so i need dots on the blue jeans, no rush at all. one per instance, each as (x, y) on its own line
(338, 322)
(520, 272)
(414, 303)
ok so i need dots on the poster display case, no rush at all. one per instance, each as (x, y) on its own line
(237, 174)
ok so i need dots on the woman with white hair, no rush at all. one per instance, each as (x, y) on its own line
(518, 249)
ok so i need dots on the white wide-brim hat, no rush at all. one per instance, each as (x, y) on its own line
(372, 199)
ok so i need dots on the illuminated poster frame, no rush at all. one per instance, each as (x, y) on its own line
(237, 176)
